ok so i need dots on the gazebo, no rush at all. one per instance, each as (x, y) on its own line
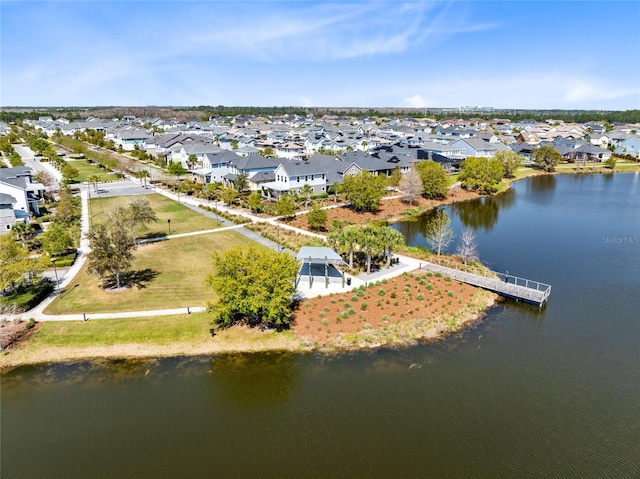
(311, 256)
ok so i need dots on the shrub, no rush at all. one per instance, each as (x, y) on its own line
(364, 306)
(354, 299)
(447, 278)
(430, 287)
(351, 312)
(360, 293)
(385, 318)
(382, 292)
(344, 315)
(438, 274)
(346, 305)
(367, 326)
(450, 293)
(327, 309)
(393, 294)
(420, 297)
(325, 322)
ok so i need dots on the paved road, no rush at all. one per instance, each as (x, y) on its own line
(28, 157)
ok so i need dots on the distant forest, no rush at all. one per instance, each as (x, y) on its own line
(205, 112)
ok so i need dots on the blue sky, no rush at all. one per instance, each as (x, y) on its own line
(524, 54)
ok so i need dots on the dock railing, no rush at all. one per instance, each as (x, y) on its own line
(502, 283)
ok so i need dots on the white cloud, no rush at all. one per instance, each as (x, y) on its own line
(417, 101)
(580, 91)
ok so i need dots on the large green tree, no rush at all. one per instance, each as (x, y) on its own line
(15, 264)
(139, 214)
(286, 205)
(434, 179)
(112, 246)
(510, 162)
(69, 172)
(317, 217)
(254, 202)
(176, 169)
(481, 174)
(364, 190)
(39, 145)
(546, 158)
(241, 182)
(253, 285)
(57, 239)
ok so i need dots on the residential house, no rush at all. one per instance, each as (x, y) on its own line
(293, 175)
(290, 150)
(478, 148)
(7, 215)
(130, 138)
(259, 170)
(630, 146)
(182, 153)
(18, 183)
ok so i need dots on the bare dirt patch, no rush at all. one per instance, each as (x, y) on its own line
(386, 307)
(13, 332)
(391, 209)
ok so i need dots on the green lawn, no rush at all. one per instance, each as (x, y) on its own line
(156, 330)
(87, 170)
(183, 219)
(169, 274)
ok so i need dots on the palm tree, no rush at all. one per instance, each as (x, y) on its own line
(370, 243)
(306, 191)
(22, 231)
(390, 239)
(348, 238)
(142, 175)
(94, 180)
(192, 161)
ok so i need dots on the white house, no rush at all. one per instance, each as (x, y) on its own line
(18, 183)
(293, 175)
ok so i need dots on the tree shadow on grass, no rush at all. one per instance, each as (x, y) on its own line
(140, 278)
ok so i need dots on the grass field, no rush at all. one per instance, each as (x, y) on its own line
(183, 219)
(176, 335)
(156, 330)
(167, 274)
(86, 171)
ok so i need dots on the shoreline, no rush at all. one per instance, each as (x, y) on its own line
(250, 340)
(411, 332)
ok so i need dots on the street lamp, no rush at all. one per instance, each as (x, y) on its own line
(169, 223)
(55, 269)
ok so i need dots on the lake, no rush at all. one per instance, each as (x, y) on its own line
(528, 392)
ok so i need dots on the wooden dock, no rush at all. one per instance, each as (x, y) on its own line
(506, 285)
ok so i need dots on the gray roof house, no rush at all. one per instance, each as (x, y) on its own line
(18, 183)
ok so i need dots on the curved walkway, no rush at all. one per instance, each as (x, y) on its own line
(317, 288)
